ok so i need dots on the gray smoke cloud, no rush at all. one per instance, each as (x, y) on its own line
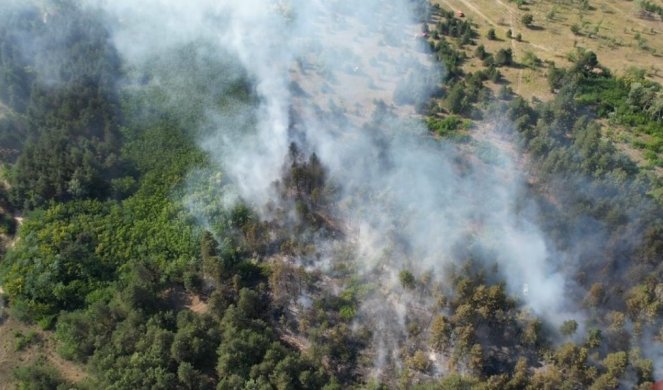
(326, 75)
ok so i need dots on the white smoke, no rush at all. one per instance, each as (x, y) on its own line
(410, 201)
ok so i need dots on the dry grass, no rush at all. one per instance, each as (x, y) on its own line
(613, 29)
(42, 348)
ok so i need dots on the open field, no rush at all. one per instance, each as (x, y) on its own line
(615, 30)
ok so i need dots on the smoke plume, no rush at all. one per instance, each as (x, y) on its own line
(342, 79)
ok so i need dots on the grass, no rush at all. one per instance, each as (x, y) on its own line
(23, 345)
(613, 30)
(602, 30)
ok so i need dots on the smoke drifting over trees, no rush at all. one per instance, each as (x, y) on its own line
(388, 249)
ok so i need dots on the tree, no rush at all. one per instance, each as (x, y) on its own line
(504, 57)
(210, 255)
(568, 328)
(476, 358)
(420, 362)
(491, 34)
(457, 101)
(531, 60)
(585, 63)
(480, 52)
(594, 338)
(440, 333)
(555, 78)
(407, 279)
(527, 20)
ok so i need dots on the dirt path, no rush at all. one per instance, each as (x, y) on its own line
(626, 15)
(512, 27)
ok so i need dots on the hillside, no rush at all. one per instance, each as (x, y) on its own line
(331, 194)
(619, 32)
(625, 37)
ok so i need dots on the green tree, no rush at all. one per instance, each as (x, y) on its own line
(457, 101)
(407, 279)
(568, 328)
(504, 57)
(527, 19)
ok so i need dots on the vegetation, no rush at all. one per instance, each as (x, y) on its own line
(651, 7)
(527, 20)
(66, 137)
(112, 262)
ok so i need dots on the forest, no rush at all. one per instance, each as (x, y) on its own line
(118, 240)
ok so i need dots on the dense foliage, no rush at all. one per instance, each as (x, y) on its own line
(58, 77)
(138, 291)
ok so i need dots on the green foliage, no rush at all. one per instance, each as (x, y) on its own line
(116, 274)
(504, 57)
(69, 144)
(25, 340)
(450, 57)
(457, 100)
(407, 279)
(447, 126)
(527, 20)
(531, 60)
(480, 52)
(450, 25)
(38, 377)
(568, 328)
(651, 7)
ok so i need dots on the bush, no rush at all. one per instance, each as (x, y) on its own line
(447, 125)
(531, 60)
(407, 279)
(39, 376)
(527, 20)
(504, 57)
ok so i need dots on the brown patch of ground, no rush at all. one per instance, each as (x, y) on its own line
(182, 299)
(43, 348)
(197, 305)
(298, 342)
